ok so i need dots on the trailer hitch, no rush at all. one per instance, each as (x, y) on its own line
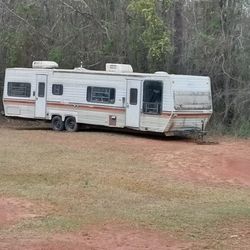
(200, 137)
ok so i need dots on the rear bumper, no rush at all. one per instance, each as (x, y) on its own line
(187, 123)
(194, 131)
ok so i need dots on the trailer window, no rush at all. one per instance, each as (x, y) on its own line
(41, 89)
(19, 89)
(152, 97)
(57, 89)
(133, 96)
(101, 95)
(192, 100)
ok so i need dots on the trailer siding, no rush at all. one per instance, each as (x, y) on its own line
(73, 101)
(154, 123)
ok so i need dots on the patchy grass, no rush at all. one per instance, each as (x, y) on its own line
(90, 178)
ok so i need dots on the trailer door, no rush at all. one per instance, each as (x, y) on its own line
(133, 106)
(41, 94)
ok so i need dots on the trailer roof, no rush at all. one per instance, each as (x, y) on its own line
(99, 72)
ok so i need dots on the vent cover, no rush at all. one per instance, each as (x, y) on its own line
(44, 65)
(121, 68)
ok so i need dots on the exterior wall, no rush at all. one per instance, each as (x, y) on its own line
(102, 118)
(154, 123)
(181, 122)
(168, 103)
(74, 102)
(19, 107)
(1, 91)
(75, 87)
(74, 99)
(87, 114)
(158, 123)
(184, 120)
(192, 85)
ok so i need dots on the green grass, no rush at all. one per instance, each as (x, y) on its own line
(94, 178)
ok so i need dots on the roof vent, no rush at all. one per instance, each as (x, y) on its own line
(80, 69)
(121, 68)
(161, 73)
(44, 65)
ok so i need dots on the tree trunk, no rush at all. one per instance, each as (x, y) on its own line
(178, 36)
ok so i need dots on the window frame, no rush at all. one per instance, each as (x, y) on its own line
(55, 85)
(41, 94)
(160, 104)
(192, 106)
(90, 97)
(135, 102)
(27, 90)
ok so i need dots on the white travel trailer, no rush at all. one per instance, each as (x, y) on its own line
(117, 98)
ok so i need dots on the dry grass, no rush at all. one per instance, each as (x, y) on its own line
(91, 178)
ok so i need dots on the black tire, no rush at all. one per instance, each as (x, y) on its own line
(57, 123)
(71, 124)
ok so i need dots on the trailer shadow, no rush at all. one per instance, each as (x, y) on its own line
(133, 133)
(110, 131)
(32, 129)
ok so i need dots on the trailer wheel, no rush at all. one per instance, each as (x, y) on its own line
(71, 124)
(57, 123)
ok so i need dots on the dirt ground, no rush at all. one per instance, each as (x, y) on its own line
(12, 210)
(104, 237)
(222, 165)
(225, 163)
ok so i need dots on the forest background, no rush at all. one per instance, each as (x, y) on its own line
(198, 37)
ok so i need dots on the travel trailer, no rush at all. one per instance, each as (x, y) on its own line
(116, 98)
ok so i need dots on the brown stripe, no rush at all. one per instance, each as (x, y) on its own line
(19, 102)
(103, 108)
(86, 107)
(192, 116)
(167, 113)
(186, 116)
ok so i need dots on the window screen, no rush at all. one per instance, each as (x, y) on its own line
(41, 89)
(57, 89)
(101, 95)
(133, 96)
(191, 100)
(19, 89)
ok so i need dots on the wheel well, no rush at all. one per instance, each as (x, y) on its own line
(55, 116)
(67, 116)
(64, 117)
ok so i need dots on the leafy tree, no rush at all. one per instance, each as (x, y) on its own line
(187, 37)
(151, 32)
